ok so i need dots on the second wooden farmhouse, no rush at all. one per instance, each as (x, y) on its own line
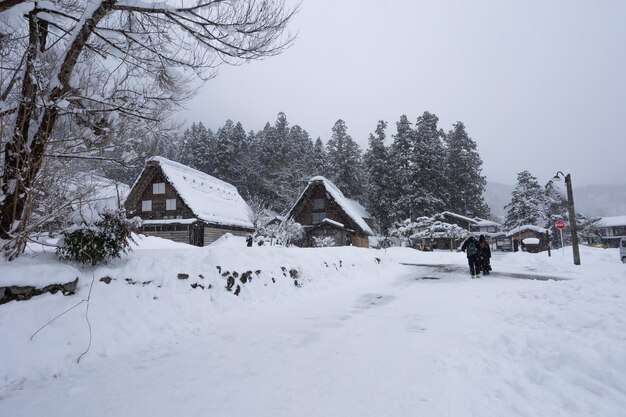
(325, 212)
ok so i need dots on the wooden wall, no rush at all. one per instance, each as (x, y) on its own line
(175, 232)
(211, 234)
(360, 241)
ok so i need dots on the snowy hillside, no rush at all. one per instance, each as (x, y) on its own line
(363, 333)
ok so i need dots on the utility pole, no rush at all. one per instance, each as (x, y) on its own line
(572, 218)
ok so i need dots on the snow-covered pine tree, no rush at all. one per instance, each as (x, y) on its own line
(198, 144)
(229, 154)
(465, 183)
(428, 177)
(284, 158)
(377, 165)
(527, 203)
(319, 158)
(345, 163)
(400, 171)
(299, 164)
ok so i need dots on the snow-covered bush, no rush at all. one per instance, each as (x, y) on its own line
(323, 241)
(99, 242)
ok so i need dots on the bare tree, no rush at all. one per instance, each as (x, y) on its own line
(102, 66)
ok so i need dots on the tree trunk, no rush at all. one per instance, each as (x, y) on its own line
(23, 156)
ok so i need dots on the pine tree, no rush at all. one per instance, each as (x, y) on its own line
(465, 183)
(429, 185)
(527, 203)
(401, 167)
(229, 155)
(197, 148)
(319, 158)
(284, 158)
(345, 164)
(377, 164)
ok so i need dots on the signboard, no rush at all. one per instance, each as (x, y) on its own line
(560, 224)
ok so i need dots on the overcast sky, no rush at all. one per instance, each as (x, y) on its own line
(540, 85)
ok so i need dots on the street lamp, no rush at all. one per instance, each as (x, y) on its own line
(572, 213)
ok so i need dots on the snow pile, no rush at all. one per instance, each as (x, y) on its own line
(160, 291)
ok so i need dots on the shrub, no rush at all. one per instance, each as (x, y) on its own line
(323, 242)
(99, 242)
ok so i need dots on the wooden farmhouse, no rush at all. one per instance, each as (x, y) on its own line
(610, 230)
(180, 203)
(325, 212)
(529, 238)
(491, 230)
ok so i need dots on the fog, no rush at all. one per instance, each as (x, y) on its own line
(539, 85)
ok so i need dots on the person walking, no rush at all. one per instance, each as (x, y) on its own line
(471, 248)
(484, 253)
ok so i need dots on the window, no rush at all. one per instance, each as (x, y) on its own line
(146, 205)
(318, 217)
(158, 188)
(318, 204)
(170, 204)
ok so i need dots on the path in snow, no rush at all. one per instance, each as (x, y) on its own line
(442, 268)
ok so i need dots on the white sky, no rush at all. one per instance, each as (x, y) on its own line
(540, 85)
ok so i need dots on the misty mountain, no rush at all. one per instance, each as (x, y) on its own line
(591, 200)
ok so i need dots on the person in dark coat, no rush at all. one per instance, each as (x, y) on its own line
(484, 252)
(249, 240)
(471, 248)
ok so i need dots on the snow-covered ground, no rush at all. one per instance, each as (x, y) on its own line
(362, 334)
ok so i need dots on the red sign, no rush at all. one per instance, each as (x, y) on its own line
(560, 224)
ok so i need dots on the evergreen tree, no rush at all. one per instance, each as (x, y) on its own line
(345, 164)
(401, 166)
(527, 202)
(319, 158)
(465, 183)
(228, 157)
(377, 164)
(429, 185)
(197, 148)
(284, 158)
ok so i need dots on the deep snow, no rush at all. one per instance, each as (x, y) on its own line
(363, 335)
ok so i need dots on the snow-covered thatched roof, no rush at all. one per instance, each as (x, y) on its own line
(459, 216)
(611, 221)
(484, 222)
(520, 229)
(476, 221)
(353, 209)
(210, 199)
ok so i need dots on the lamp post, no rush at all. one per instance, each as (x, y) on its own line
(572, 213)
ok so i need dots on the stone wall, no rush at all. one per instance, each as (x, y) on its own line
(19, 293)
